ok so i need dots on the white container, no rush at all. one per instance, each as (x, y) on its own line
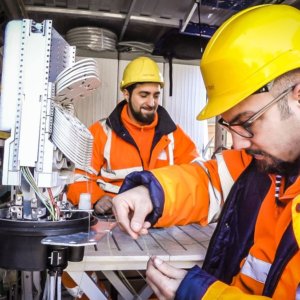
(85, 201)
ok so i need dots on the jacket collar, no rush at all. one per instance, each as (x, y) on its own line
(164, 126)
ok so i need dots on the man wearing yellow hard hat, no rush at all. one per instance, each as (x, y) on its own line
(138, 135)
(251, 69)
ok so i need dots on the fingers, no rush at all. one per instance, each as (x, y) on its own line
(131, 208)
(167, 269)
(144, 229)
(147, 225)
(157, 292)
(142, 207)
(152, 273)
(101, 208)
(121, 212)
(103, 205)
(163, 278)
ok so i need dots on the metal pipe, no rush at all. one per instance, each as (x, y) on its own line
(189, 16)
(46, 288)
(58, 287)
(52, 287)
(127, 19)
(101, 15)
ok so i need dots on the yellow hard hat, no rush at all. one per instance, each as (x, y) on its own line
(249, 50)
(141, 69)
(296, 218)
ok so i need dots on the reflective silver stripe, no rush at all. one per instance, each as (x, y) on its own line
(84, 177)
(225, 177)
(107, 147)
(256, 269)
(215, 197)
(80, 177)
(171, 147)
(108, 172)
(108, 187)
(92, 170)
(119, 174)
(215, 205)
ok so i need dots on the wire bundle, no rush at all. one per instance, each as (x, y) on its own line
(133, 46)
(92, 38)
(48, 202)
(77, 82)
(72, 138)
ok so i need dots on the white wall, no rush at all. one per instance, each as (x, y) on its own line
(187, 99)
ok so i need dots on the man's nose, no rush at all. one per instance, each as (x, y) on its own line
(240, 142)
(151, 101)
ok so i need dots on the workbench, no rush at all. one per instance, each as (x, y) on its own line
(181, 246)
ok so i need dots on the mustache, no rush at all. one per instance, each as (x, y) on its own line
(149, 107)
(256, 152)
(277, 166)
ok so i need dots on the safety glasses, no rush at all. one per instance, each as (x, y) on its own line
(244, 128)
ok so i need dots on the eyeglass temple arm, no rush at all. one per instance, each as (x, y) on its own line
(256, 116)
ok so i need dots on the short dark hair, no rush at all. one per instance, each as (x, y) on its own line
(282, 82)
(131, 87)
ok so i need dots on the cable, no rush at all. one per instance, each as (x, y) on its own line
(31, 181)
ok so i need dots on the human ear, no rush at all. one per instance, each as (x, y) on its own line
(296, 92)
(126, 95)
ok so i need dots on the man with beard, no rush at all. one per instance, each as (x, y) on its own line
(251, 70)
(138, 135)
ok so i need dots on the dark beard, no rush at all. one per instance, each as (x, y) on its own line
(277, 166)
(145, 119)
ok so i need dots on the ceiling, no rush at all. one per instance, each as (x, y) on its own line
(132, 20)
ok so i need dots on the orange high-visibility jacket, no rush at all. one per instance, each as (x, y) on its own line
(121, 147)
(254, 223)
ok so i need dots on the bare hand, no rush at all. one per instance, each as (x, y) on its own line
(163, 278)
(103, 205)
(131, 209)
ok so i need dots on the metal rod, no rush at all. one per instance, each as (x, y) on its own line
(58, 287)
(127, 19)
(101, 15)
(52, 287)
(189, 16)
